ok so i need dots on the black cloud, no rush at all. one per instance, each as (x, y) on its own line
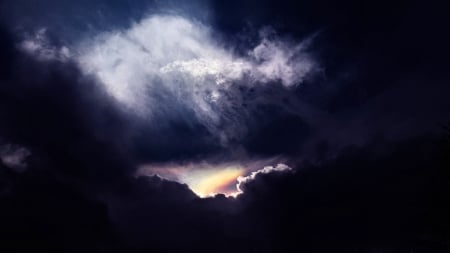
(370, 164)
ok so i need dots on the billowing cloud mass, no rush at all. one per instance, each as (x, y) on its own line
(172, 60)
(180, 52)
(224, 126)
(242, 180)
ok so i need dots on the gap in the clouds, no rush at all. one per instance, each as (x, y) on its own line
(207, 183)
(203, 179)
(207, 180)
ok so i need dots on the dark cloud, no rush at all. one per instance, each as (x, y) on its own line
(56, 112)
(361, 200)
(283, 133)
(75, 137)
(356, 200)
(361, 133)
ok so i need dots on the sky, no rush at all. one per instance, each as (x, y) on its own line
(224, 126)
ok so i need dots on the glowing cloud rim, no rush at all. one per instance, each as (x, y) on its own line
(207, 181)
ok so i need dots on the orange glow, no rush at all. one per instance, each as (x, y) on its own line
(203, 179)
(210, 182)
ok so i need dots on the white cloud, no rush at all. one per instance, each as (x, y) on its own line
(171, 51)
(170, 56)
(280, 61)
(266, 170)
(221, 70)
(167, 65)
(39, 46)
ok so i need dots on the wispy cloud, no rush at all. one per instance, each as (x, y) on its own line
(39, 45)
(14, 157)
(168, 60)
(169, 68)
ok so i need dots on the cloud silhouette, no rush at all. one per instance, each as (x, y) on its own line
(368, 170)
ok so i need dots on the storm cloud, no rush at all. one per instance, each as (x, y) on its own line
(223, 127)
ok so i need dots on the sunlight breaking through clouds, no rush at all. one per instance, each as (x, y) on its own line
(206, 183)
(207, 180)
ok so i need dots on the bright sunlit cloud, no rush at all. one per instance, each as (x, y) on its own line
(203, 179)
(207, 180)
(181, 52)
(206, 183)
(166, 56)
(165, 64)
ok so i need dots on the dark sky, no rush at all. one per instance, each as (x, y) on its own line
(335, 115)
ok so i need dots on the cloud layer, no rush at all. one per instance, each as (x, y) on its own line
(166, 61)
(369, 168)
